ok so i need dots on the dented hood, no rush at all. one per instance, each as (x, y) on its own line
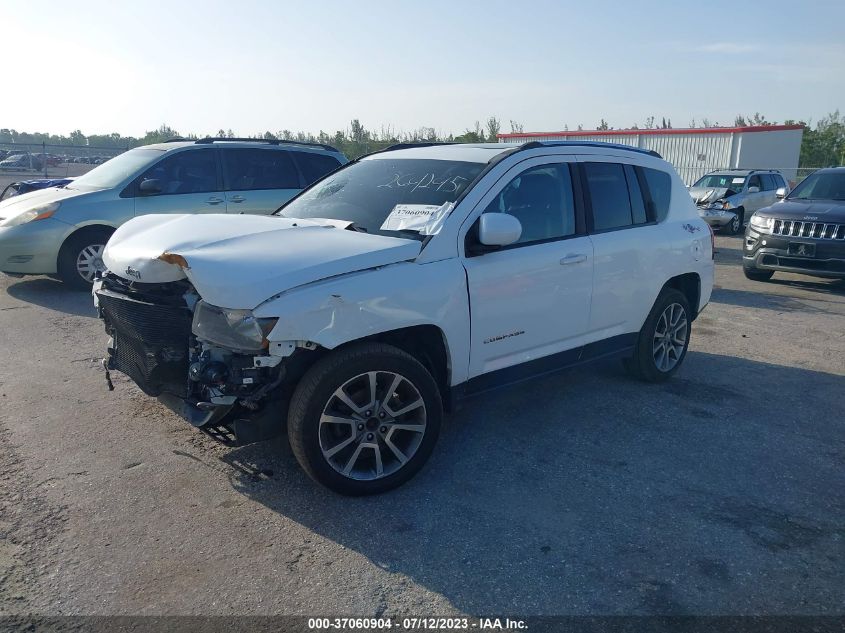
(702, 195)
(240, 261)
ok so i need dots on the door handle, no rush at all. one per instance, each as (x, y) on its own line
(237, 199)
(214, 200)
(573, 259)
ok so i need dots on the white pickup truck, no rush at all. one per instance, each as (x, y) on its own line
(359, 312)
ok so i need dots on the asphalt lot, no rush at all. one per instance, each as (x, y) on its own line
(720, 492)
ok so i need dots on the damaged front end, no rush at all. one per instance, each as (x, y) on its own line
(715, 206)
(208, 364)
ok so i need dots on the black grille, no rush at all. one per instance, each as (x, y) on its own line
(150, 342)
(816, 230)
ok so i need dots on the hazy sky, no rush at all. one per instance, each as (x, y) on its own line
(106, 66)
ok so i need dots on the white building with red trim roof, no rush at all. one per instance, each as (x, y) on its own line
(697, 151)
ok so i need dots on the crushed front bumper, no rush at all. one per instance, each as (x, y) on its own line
(716, 219)
(230, 396)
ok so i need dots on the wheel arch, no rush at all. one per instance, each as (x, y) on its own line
(689, 284)
(86, 228)
(427, 343)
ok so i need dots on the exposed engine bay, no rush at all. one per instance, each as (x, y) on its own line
(152, 341)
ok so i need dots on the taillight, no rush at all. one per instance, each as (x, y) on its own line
(712, 242)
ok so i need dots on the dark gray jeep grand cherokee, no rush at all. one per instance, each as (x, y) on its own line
(803, 233)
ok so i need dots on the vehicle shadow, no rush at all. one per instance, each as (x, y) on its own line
(772, 301)
(830, 286)
(590, 493)
(54, 295)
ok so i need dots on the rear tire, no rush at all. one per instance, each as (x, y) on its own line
(380, 443)
(663, 340)
(81, 257)
(755, 274)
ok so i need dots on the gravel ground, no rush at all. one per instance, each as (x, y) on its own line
(720, 492)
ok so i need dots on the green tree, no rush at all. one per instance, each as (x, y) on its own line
(825, 145)
(493, 129)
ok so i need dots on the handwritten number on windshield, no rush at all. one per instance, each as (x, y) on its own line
(427, 181)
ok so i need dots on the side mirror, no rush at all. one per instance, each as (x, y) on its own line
(781, 193)
(754, 190)
(498, 229)
(150, 186)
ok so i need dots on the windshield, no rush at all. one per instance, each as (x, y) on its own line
(115, 171)
(374, 193)
(821, 186)
(721, 181)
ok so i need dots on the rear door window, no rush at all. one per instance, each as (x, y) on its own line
(254, 169)
(314, 166)
(608, 191)
(189, 171)
(769, 182)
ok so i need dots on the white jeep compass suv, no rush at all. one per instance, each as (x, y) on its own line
(409, 278)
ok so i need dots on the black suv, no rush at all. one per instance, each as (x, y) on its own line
(803, 233)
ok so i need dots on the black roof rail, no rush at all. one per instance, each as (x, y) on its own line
(628, 148)
(269, 141)
(398, 146)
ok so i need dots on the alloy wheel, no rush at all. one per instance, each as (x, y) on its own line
(670, 337)
(372, 425)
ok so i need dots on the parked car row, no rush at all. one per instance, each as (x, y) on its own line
(87, 160)
(23, 161)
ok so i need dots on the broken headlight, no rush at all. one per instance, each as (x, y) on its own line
(238, 330)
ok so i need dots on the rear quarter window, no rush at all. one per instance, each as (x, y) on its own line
(659, 185)
(314, 166)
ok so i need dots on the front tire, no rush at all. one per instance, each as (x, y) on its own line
(81, 257)
(735, 225)
(663, 340)
(365, 419)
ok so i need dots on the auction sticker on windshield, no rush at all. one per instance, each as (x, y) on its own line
(412, 217)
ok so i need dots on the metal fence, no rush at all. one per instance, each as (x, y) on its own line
(52, 161)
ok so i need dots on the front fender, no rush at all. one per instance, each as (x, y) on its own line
(351, 307)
